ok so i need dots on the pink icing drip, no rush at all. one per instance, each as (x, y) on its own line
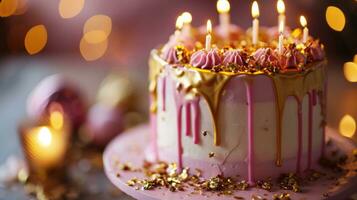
(249, 93)
(179, 137)
(299, 138)
(164, 94)
(188, 118)
(197, 118)
(323, 106)
(310, 123)
(314, 100)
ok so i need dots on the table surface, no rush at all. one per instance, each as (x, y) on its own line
(18, 76)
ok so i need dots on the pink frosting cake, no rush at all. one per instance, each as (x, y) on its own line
(238, 110)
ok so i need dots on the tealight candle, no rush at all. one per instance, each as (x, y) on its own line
(187, 19)
(45, 144)
(223, 8)
(280, 6)
(303, 23)
(281, 38)
(255, 28)
(209, 36)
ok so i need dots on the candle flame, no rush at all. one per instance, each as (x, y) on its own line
(179, 23)
(209, 27)
(303, 21)
(280, 7)
(223, 6)
(44, 136)
(255, 9)
(186, 17)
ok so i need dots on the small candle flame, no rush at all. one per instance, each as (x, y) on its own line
(303, 21)
(223, 6)
(186, 17)
(255, 9)
(209, 27)
(44, 136)
(280, 6)
(179, 23)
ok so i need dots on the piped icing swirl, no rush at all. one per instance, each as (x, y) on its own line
(206, 59)
(266, 57)
(315, 51)
(234, 56)
(292, 59)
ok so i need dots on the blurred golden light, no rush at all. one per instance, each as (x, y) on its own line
(8, 7)
(56, 120)
(223, 6)
(209, 26)
(98, 28)
(70, 8)
(186, 17)
(303, 21)
(21, 7)
(280, 6)
(92, 51)
(44, 136)
(350, 71)
(95, 36)
(347, 126)
(36, 39)
(255, 9)
(355, 59)
(335, 18)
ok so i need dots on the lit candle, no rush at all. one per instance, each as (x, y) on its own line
(281, 10)
(187, 19)
(255, 28)
(223, 8)
(281, 38)
(45, 145)
(303, 23)
(209, 36)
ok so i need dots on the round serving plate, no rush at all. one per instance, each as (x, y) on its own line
(129, 147)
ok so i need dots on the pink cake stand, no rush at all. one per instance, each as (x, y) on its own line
(130, 146)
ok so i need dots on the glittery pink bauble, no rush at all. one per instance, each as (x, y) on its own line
(103, 124)
(57, 89)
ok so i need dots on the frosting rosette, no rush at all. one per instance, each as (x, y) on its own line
(266, 57)
(234, 56)
(206, 59)
(315, 51)
(292, 59)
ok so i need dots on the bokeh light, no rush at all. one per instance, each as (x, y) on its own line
(347, 126)
(355, 59)
(97, 29)
(70, 8)
(36, 39)
(350, 71)
(8, 7)
(21, 8)
(335, 18)
(92, 51)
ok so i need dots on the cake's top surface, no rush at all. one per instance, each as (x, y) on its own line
(235, 52)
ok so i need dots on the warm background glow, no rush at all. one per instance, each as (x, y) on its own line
(347, 126)
(36, 39)
(335, 18)
(70, 8)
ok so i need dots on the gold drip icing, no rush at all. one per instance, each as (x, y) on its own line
(193, 81)
(297, 85)
(156, 67)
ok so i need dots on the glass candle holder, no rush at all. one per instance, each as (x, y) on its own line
(45, 144)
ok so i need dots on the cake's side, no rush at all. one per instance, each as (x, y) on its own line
(255, 125)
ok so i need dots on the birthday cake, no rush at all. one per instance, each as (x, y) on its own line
(238, 103)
